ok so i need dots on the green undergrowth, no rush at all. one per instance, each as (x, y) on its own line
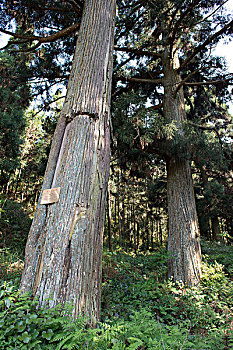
(204, 313)
(223, 254)
(140, 310)
(14, 226)
(11, 266)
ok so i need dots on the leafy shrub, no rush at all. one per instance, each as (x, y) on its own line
(23, 325)
(223, 254)
(144, 331)
(169, 315)
(128, 282)
(205, 309)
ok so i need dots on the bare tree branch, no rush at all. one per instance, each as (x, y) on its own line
(125, 62)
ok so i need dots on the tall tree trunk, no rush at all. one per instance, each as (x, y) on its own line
(64, 247)
(152, 233)
(109, 215)
(160, 231)
(183, 236)
(17, 181)
(138, 235)
(134, 226)
(216, 231)
(118, 207)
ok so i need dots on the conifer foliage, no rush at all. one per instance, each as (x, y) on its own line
(174, 39)
(171, 136)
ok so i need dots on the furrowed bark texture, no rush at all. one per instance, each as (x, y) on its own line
(183, 239)
(64, 247)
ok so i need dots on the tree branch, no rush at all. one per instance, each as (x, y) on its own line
(211, 14)
(46, 39)
(137, 52)
(32, 48)
(183, 15)
(156, 107)
(213, 82)
(206, 42)
(208, 128)
(77, 5)
(47, 104)
(13, 42)
(185, 79)
(124, 62)
(140, 80)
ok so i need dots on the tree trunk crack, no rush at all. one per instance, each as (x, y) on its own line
(66, 268)
(73, 115)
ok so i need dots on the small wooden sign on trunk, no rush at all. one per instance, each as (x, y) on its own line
(50, 196)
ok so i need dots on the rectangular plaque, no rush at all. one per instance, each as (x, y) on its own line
(50, 196)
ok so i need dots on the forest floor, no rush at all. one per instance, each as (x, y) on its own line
(141, 309)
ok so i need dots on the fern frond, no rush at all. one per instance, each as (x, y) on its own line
(66, 339)
(59, 337)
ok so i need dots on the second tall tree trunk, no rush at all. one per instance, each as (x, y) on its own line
(183, 235)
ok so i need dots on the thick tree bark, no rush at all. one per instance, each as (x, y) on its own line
(64, 248)
(183, 236)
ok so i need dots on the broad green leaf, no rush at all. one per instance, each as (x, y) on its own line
(47, 335)
(21, 326)
(7, 302)
(25, 337)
